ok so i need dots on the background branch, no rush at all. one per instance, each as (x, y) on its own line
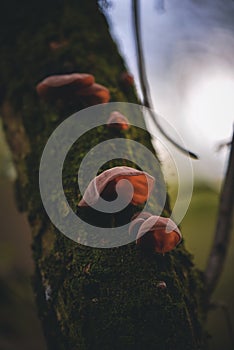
(222, 236)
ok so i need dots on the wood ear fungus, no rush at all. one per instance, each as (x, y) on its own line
(118, 121)
(156, 234)
(60, 86)
(104, 185)
(72, 88)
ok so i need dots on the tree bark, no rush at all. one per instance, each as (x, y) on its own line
(87, 298)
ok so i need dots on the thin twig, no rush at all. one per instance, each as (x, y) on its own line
(222, 145)
(222, 236)
(147, 101)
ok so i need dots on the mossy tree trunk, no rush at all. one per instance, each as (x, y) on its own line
(114, 303)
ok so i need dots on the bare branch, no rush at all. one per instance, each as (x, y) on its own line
(223, 144)
(222, 236)
(147, 101)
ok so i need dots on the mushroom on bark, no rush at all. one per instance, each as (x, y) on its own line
(108, 183)
(118, 121)
(63, 86)
(72, 88)
(156, 233)
(127, 79)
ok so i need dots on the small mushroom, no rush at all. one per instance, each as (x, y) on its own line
(94, 94)
(104, 185)
(118, 121)
(158, 234)
(60, 86)
(127, 79)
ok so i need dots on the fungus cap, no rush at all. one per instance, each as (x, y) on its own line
(118, 121)
(55, 86)
(158, 234)
(127, 79)
(104, 185)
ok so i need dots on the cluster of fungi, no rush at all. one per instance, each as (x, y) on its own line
(152, 233)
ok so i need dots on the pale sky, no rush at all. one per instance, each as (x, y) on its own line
(189, 52)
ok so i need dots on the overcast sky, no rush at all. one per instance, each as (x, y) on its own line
(189, 53)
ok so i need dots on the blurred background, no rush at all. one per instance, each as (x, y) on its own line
(189, 50)
(19, 325)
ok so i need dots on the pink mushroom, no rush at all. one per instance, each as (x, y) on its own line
(158, 234)
(127, 79)
(60, 86)
(118, 121)
(104, 185)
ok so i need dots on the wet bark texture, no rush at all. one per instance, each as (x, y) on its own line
(87, 298)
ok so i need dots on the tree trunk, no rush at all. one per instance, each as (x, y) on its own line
(88, 298)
